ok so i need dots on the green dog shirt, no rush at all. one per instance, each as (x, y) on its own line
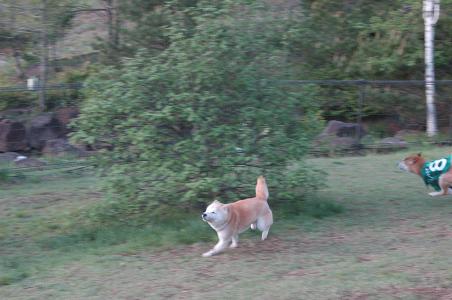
(432, 170)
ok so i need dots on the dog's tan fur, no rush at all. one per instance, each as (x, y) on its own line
(415, 162)
(229, 220)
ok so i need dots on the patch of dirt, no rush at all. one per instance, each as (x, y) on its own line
(250, 248)
(433, 293)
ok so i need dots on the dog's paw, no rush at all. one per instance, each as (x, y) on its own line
(207, 254)
(234, 246)
(253, 226)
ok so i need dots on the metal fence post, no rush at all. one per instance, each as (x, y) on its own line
(359, 117)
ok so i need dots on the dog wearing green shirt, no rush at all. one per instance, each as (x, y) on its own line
(436, 173)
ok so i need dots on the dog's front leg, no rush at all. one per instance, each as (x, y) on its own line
(444, 183)
(222, 244)
(440, 193)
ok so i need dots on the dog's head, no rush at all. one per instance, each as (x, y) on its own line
(412, 163)
(216, 213)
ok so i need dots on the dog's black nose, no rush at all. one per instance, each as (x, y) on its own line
(204, 215)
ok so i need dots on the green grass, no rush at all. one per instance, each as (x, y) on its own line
(371, 232)
(45, 221)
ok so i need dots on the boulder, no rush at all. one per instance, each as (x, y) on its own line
(29, 163)
(12, 136)
(408, 133)
(42, 128)
(342, 129)
(61, 146)
(393, 142)
(15, 113)
(65, 115)
(8, 157)
(340, 135)
(344, 143)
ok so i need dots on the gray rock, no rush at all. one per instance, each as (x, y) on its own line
(58, 147)
(344, 142)
(393, 142)
(65, 115)
(342, 129)
(8, 157)
(42, 128)
(29, 162)
(402, 134)
(12, 136)
(340, 135)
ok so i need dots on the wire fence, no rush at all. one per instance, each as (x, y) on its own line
(400, 103)
(57, 95)
(58, 86)
(380, 109)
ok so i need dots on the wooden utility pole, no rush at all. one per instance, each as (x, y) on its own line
(113, 24)
(44, 56)
(431, 16)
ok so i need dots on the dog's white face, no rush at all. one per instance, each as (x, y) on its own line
(408, 162)
(403, 166)
(215, 214)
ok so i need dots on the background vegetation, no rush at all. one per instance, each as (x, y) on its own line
(181, 106)
(325, 40)
(181, 93)
(390, 239)
(197, 121)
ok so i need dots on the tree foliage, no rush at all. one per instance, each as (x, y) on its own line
(367, 40)
(198, 121)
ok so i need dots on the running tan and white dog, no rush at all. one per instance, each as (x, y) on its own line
(229, 220)
(436, 173)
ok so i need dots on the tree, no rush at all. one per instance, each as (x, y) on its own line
(146, 25)
(369, 40)
(197, 121)
(431, 16)
(33, 28)
(44, 38)
(12, 36)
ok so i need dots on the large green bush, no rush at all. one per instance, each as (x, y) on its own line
(199, 121)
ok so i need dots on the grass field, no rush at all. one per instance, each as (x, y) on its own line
(391, 241)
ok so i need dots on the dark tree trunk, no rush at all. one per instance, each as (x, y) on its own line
(44, 57)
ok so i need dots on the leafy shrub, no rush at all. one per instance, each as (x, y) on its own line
(197, 122)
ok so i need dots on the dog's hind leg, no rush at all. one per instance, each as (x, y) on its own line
(264, 222)
(235, 241)
(445, 181)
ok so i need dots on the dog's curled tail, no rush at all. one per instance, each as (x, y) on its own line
(261, 188)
